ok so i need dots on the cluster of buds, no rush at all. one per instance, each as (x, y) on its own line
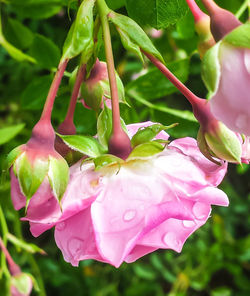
(128, 174)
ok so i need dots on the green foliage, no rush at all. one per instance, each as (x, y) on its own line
(156, 13)
(7, 133)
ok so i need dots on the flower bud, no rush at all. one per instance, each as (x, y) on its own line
(206, 40)
(95, 89)
(21, 284)
(226, 73)
(222, 21)
(36, 162)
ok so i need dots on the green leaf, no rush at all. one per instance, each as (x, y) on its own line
(12, 156)
(15, 53)
(58, 176)
(240, 36)
(7, 133)
(34, 95)
(17, 34)
(37, 9)
(135, 32)
(106, 160)
(80, 36)
(104, 126)
(211, 68)
(45, 52)
(84, 144)
(145, 150)
(185, 26)
(154, 84)
(31, 175)
(28, 247)
(115, 4)
(147, 134)
(156, 13)
(129, 44)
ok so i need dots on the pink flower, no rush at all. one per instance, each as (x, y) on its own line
(230, 102)
(120, 214)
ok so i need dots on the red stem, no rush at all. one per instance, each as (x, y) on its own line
(75, 93)
(195, 9)
(47, 109)
(14, 268)
(191, 97)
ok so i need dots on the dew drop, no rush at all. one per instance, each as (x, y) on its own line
(188, 223)
(129, 215)
(241, 121)
(200, 210)
(171, 241)
(61, 226)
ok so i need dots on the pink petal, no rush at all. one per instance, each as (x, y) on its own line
(18, 199)
(75, 238)
(231, 100)
(214, 174)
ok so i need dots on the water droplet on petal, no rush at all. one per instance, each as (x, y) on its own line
(75, 246)
(188, 223)
(171, 241)
(129, 215)
(241, 121)
(61, 226)
(201, 210)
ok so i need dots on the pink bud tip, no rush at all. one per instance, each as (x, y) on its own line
(222, 20)
(119, 144)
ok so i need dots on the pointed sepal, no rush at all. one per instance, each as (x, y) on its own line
(58, 175)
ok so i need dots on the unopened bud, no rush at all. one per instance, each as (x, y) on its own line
(21, 284)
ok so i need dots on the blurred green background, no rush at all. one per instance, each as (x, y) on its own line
(215, 260)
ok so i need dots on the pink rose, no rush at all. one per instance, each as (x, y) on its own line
(121, 213)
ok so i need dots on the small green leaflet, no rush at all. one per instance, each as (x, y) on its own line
(84, 144)
(80, 36)
(240, 36)
(7, 133)
(145, 150)
(135, 33)
(106, 160)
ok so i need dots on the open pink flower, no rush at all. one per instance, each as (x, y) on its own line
(120, 214)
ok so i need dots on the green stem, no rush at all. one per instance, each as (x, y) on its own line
(5, 231)
(103, 11)
(243, 7)
(35, 268)
(119, 142)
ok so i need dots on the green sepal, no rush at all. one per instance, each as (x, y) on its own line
(85, 144)
(203, 147)
(104, 126)
(92, 96)
(224, 144)
(128, 44)
(135, 33)
(106, 160)
(12, 156)
(121, 92)
(31, 175)
(145, 150)
(28, 247)
(21, 282)
(239, 37)
(80, 36)
(210, 71)
(146, 134)
(58, 176)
